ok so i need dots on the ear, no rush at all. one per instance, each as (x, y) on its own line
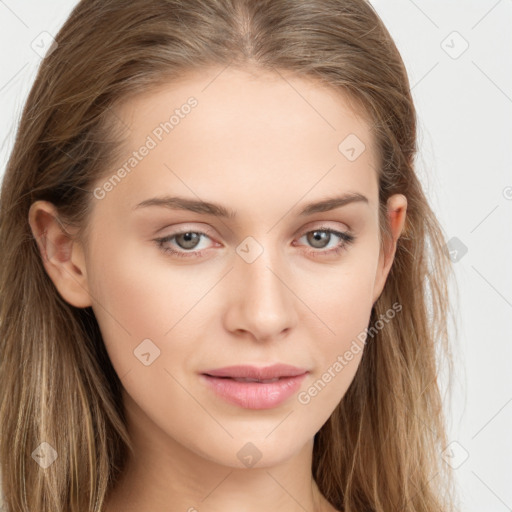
(63, 257)
(396, 212)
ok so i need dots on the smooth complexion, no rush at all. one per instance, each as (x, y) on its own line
(264, 147)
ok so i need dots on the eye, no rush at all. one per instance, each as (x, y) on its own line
(185, 240)
(319, 239)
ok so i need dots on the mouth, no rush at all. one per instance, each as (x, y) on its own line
(241, 379)
(246, 371)
(251, 387)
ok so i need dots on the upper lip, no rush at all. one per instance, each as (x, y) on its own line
(254, 372)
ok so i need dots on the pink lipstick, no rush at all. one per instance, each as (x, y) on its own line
(254, 387)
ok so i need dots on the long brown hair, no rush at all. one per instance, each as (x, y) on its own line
(380, 449)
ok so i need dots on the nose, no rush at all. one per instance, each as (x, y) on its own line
(261, 302)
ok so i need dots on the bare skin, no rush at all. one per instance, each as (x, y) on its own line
(264, 146)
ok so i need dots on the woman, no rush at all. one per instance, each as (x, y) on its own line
(222, 284)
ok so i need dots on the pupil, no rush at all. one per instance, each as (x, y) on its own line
(319, 236)
(190, 240)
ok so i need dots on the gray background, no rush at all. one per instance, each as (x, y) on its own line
(458, 55)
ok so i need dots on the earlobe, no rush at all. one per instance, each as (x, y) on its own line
(62, 256)
(396, 213)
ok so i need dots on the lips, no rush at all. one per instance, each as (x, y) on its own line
(253, 373)
(251, 387)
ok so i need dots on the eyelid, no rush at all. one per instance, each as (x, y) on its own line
(312, 226)
(206, 230)
(321, 225)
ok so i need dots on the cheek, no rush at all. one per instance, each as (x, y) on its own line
(138, 288)
(343, 303)
(140, 295)
(131, 301)
(341, 295)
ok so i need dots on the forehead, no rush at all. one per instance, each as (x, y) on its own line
(269, 136)
(260, 102)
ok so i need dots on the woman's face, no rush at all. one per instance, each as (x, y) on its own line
(269, 273)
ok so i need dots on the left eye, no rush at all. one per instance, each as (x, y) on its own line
(318, 238)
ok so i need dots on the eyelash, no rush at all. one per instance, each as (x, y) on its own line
(346, 240)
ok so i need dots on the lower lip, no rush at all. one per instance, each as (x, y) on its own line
(254, 395)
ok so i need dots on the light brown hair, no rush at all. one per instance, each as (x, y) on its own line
(380, 449)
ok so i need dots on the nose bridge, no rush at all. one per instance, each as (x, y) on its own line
(265, 304)
(263, 281)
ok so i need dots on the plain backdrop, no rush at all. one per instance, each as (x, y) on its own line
(458, 56)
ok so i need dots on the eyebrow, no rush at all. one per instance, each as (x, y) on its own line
(217, 210)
